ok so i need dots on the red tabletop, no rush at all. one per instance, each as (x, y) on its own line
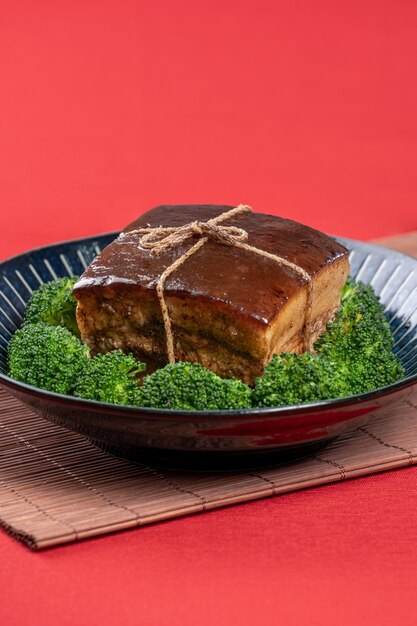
(304, 109)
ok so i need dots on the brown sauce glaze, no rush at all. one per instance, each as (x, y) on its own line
(251, 285)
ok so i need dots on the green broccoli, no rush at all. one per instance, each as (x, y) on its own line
(355, 355)
(111, 378)
(190, 386)
(54, 304)
(296, 378)
(49, 357)
(359, 342)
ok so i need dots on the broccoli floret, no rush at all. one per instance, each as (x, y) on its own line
(296, 378)
(190, 386)
(54, 304)
(49, 357)
(354, 356)
(359, 341)
(110, 377)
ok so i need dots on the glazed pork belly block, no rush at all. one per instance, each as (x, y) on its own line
(231, 309)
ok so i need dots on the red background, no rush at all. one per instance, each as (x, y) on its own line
(306, 109)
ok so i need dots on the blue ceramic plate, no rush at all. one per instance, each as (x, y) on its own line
(235, 438)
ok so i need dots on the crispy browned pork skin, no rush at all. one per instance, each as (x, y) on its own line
(231, 309)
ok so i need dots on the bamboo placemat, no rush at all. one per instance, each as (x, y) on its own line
(56, 487)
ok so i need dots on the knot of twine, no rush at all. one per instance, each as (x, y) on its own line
(161, 238)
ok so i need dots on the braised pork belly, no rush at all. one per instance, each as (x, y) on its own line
(230, 309)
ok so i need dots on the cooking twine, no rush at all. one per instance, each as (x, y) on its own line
(161, 238)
